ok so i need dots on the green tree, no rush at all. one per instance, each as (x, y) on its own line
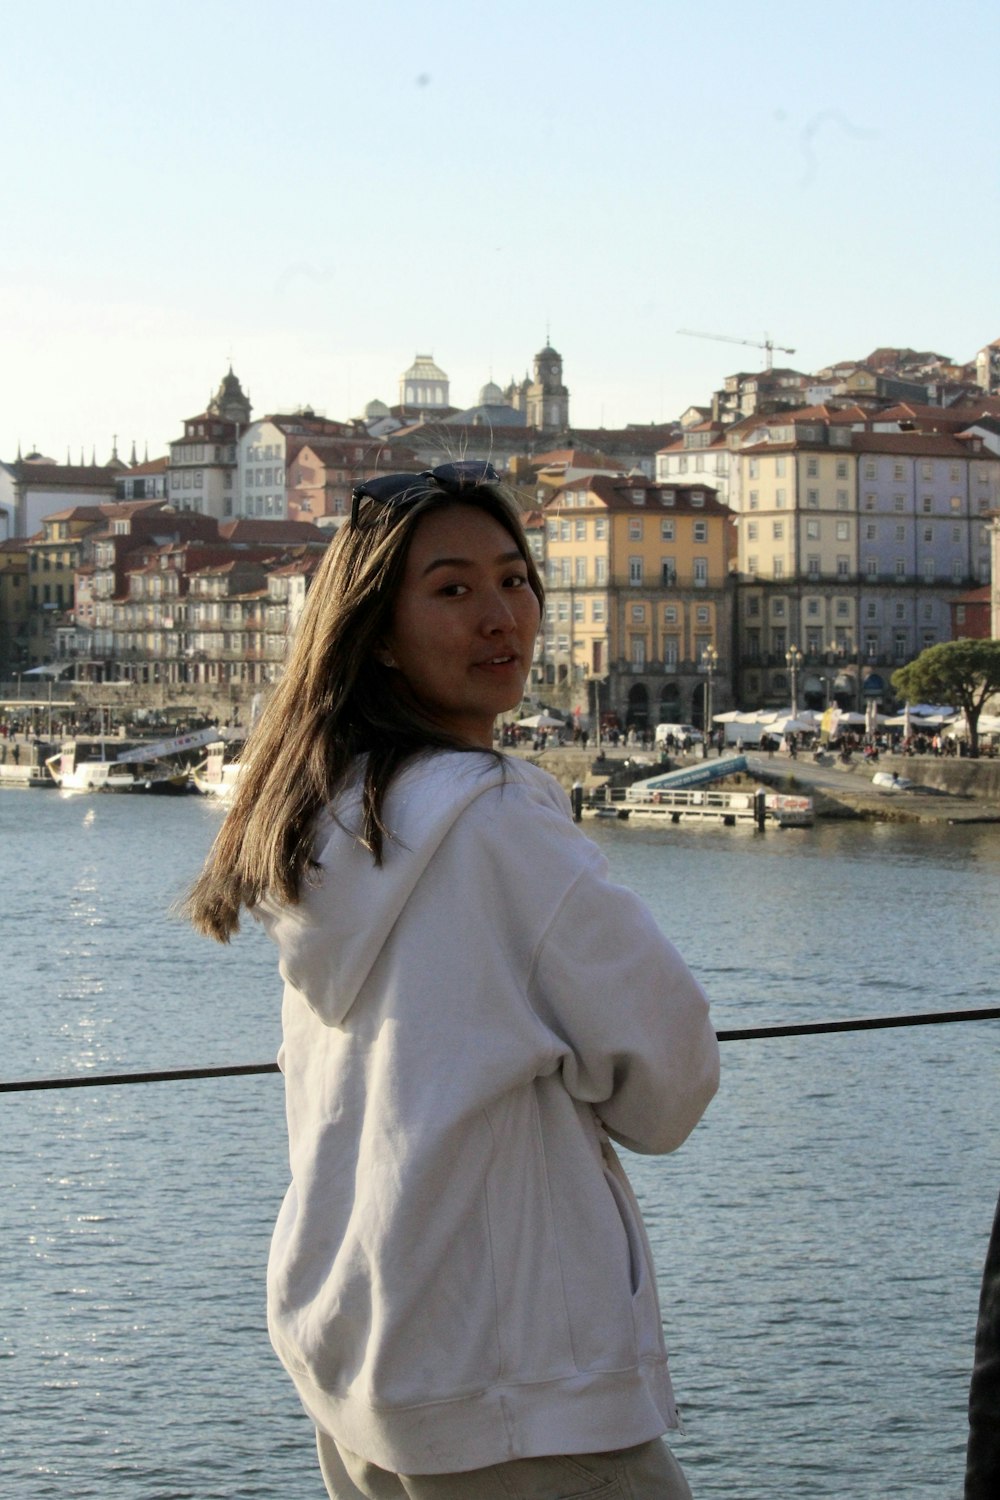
(963, 673)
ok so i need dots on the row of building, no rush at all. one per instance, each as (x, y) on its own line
(801, 552)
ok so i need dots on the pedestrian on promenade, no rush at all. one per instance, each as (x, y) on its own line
(459, 1281)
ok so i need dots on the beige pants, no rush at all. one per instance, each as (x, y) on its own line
(648, 1472)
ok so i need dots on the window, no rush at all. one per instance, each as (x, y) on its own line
(900, 533)
(778, 608)
(779, 467)
(700, 572)
(899, 502)
(638, 614)
(955, 502)
(899, 471)
(900, 568)
(638, 653)
(601, 529)
(581, 570)
(957, 570)
(930, 569)
(666, 529)
(869, 502)
(670, 614)
(869, 468)
(753, 468)
(752, 531)
(812, 567)
(635, 528)
(754, 499)
(597, 611)
(871, 567)
(812, 531)
(843, 531)
(843, 567)
(600, 570)
(564, 531)
(900, 611)
(777, 567)
(753, 606)
(701, 531)
(668, 572)
(670, 651)
(928, 533)
(635, 570)
(702, 614)
(779, 499)
(841, 499)
(926, 469)
(841, 468)
(751, 564)
(871, 532)
(899, 645)
(812, 499)
(812, 467)
(562, 611)
(564, 571)
(843, 611)
(552, 529)
(777, 530)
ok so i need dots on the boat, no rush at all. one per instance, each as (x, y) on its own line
(143, 768)
(216, 776)
(888, 781)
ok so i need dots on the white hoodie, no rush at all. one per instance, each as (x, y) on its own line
(459, 1275)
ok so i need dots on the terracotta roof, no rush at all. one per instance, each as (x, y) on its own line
(76, 513)
(66, 476)
(918, 444)
(276, 533)
(616, 494)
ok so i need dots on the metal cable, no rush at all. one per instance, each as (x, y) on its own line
(737, 1034)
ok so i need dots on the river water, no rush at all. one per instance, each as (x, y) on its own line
(819, 1240)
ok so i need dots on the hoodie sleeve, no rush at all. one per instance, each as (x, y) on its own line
(632, 1020)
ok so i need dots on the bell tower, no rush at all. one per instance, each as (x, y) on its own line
(547, 399)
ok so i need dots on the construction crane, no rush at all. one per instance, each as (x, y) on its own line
(768, 344)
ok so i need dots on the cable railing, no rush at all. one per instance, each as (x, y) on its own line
(729, 1034)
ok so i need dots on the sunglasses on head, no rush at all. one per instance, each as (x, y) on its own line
(395, 490)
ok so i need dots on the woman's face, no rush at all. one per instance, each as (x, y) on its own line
(464, 625)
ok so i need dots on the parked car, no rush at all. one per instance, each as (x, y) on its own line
(680, 732)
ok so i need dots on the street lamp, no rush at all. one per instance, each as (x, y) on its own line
(709, 662)
(793, 657)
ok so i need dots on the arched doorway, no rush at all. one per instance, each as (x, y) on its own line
(670, 704)
(638, 706)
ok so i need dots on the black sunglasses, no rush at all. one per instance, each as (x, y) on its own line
(395, 490)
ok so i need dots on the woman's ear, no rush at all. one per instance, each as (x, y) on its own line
(384, 657)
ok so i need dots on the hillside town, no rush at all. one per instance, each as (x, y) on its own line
(794, 539)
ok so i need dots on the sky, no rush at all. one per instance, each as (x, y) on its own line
(315, 191)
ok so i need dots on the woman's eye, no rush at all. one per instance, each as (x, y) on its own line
(517, 581)
(454, 590)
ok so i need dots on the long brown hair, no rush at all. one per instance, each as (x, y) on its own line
(335, 702)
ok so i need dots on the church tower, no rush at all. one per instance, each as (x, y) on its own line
(547, 399)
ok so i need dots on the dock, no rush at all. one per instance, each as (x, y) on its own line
(693, 804)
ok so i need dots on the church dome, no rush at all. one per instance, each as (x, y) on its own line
(376, 409)
(491, 395)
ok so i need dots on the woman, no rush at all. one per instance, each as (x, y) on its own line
(459, 1281)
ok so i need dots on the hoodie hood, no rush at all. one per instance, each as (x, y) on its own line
(349, 904)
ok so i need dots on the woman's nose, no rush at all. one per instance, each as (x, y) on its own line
(497, 613)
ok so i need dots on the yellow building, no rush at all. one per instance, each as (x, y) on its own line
(13, 606)
(638, 592)
(53, 557)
